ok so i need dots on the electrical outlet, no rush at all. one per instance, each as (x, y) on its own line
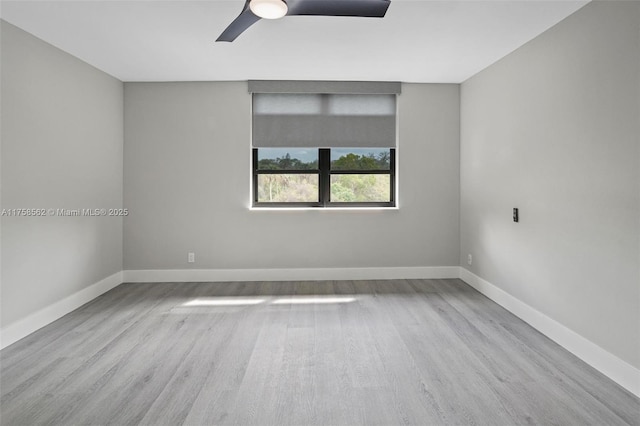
(192, 257)
(469, 259)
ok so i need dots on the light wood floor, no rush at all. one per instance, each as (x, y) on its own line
(327, 353)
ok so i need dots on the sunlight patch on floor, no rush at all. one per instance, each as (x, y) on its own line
(246, 301)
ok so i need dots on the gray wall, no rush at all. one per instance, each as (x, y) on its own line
(61, 148)
(553, 129)
(187, 179)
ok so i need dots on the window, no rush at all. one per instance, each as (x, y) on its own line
(323, 144)
(283, 175)
(324, 177)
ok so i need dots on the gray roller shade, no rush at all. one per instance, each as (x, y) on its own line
(324, 120)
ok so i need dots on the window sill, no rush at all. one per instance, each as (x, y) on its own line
(323, 209)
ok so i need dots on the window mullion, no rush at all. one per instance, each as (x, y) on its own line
(392, 169)
(255, 175)
(324, 163)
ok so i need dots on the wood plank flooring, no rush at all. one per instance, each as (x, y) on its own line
(396, 352)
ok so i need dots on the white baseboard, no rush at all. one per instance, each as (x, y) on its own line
(22, 328)
(217, 275)
(608, 364)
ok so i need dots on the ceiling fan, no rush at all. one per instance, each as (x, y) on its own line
(254, 10)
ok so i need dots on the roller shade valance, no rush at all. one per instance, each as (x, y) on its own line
(326, 87)
(324, 120)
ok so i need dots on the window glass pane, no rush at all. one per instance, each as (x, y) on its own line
(360, 188)
(287, 159)
(288, 188)
(360, 159)
(362, 104)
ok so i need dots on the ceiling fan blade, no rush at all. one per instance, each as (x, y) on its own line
(241, 23)
(361, 8)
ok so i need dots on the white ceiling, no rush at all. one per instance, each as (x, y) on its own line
(418, 40)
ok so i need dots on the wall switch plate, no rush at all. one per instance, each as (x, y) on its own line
(469, 259)
(191, 257)
(515, 214)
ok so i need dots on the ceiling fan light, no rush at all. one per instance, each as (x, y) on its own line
(268, 9)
